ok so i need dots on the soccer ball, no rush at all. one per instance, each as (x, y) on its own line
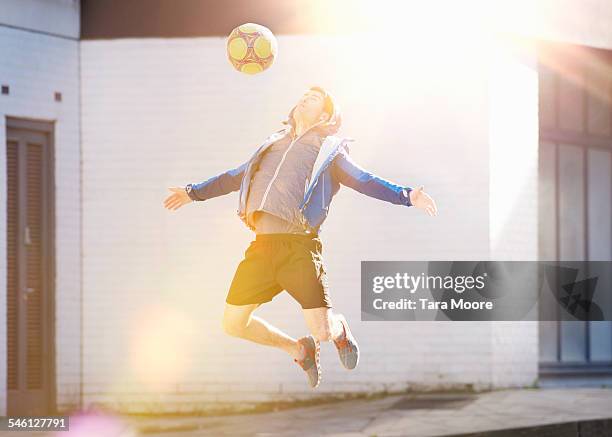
(251, 48)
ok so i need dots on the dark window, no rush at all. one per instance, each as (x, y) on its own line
(575, 191)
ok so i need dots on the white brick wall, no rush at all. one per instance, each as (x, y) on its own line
(158, 113)
(35, 66)
(57, 17)
(513, 188)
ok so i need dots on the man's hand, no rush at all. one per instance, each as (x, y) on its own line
(422, 200)
(178, 198)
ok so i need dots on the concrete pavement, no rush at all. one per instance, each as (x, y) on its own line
(410, 415)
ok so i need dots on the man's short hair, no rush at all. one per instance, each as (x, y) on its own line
(330, 107)
(328, 102)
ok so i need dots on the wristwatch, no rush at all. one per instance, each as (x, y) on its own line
(190, 193)
(405, 194)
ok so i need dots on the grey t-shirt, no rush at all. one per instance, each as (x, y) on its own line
(279, 182)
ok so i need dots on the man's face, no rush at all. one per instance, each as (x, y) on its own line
(310, 106)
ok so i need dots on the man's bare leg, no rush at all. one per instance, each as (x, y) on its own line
(324, 323)
(239, 321)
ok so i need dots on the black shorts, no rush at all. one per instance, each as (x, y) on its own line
(276, 262)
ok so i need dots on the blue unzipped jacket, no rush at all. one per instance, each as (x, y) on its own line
(332, 168)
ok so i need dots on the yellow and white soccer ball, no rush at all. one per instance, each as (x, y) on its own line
(251, 48)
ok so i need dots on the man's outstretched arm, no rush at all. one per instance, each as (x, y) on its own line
(219, 185)
(352, 175)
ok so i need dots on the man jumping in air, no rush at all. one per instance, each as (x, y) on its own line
(285, 190)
